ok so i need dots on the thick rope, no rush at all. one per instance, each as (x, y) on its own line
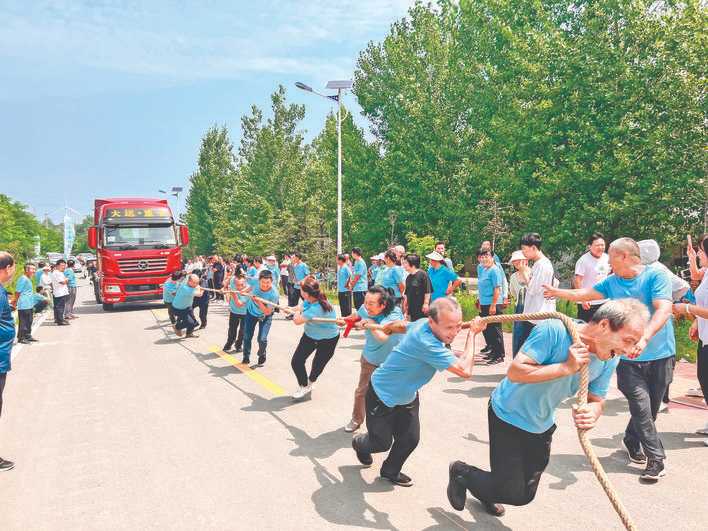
(582, 401)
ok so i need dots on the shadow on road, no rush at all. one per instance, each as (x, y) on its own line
(448, 520)
(473, 392)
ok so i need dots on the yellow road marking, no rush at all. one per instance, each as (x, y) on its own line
(253, 375)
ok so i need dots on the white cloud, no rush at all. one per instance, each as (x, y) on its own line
(203, 40)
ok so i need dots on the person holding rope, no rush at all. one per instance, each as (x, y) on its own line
(169, 290)
(644, 375)
(344, 293)
(522, 407)
(237, 313)
(392, 398)
(182, 305)
(358, 281)
(261, 314)
(379, 308)
(320, 338)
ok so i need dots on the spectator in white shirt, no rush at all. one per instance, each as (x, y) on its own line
(535, 277)
(591, 268)
(60, 289)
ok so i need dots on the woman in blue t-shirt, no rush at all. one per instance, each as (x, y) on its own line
(320, 338)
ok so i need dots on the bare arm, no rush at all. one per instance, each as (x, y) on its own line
(662, 313)
(525, 369)
(578, 281)
(586, 417)
(455, 284)
(574, 295)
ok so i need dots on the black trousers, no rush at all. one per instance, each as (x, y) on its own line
(323, 349)
(24, 328)
(644, 384)
(524, 331)
(3, 377)
(59, 305)
(203, 304)
(396, 428)
(586, 315)
(358, 299)
(517, 459)
(345, 302)
(702, 368)
(493, 334)
(185, 319)
(293, 295)
(170, 312)
(235, 326)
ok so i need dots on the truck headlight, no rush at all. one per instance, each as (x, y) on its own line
(112, 289)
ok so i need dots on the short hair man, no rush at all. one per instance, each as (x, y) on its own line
(7, 332)
(645, 374)
(24, 302)
(522, 408)
(591, 268)
(71, 299)
(535, 277)
(344, 294)
(392, 398)
(60, 290)
(440, 249)
(489, 288)
(182, 305)
(358, 281)
(259, 313)
(300, 271)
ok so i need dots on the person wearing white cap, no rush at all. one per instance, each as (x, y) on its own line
(443, 280)
(591, 268)
(272, 266)
(517, 293)
(378, 280)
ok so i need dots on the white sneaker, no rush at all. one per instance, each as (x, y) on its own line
(695, 392)
(302, 392)
(352, 426)
(703, 430)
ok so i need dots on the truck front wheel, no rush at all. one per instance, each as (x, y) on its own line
(107, 307)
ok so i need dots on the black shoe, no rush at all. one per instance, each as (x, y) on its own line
(202, 327)
(494, 361)
(654, 471)
(261, 361)
(456, 490)
(363, 457)
(245, 361)
(485, 350)
(6, 465)
(33, 340)
(191, 334)
(238, 349)
(226, 348)
(635, 453)
(401, 479)
(495, 509)
(23, 342)
(63, 323)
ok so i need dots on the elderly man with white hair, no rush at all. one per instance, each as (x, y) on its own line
(182, 305)
(644, 374)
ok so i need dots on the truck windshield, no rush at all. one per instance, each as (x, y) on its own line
(139, 236)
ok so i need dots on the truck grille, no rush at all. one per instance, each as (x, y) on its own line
(132, 288)
(142, 265)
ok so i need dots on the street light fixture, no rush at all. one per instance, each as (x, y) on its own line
(339, 86)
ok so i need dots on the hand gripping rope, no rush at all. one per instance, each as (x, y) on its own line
(582, 401)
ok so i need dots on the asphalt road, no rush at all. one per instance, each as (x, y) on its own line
(115, 424)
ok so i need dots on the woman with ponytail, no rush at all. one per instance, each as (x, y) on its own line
(320, 338)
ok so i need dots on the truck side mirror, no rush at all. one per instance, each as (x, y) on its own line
(184, 235)
(92, 237)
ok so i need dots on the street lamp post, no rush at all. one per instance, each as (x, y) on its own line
(175, 191)
(339, 86)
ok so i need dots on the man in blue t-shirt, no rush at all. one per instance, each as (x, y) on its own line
(71, 299)
(646, 372)
(258, 312)
(24, 302)
(358, 282)
(237, 313)
(344, 294)
(443, 280)
(300, 271)
(489, 288)
(522, 408)
(182, 305)
(392, 398)
(7, 332)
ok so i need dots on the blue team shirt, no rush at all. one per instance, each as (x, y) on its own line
(376, 352)
(301, 271)
(24, 288)
(270, 295)
(391, 277)
(487, 281)
(276, 273)
(532, 406)
(168, 291)
(252, 277)
(69, 273)
(373, 271)
(343, 276)
(360, 269)
(411, 365)
(38, 277)
(650, 285)
(238, 310)
(319, 331)
(7, 331)
(184, 297)
(440, 279)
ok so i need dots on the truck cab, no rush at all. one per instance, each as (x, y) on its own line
(138, 246)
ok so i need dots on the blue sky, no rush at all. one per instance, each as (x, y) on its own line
(111, 98)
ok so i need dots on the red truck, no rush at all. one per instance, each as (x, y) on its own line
(138, 245)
